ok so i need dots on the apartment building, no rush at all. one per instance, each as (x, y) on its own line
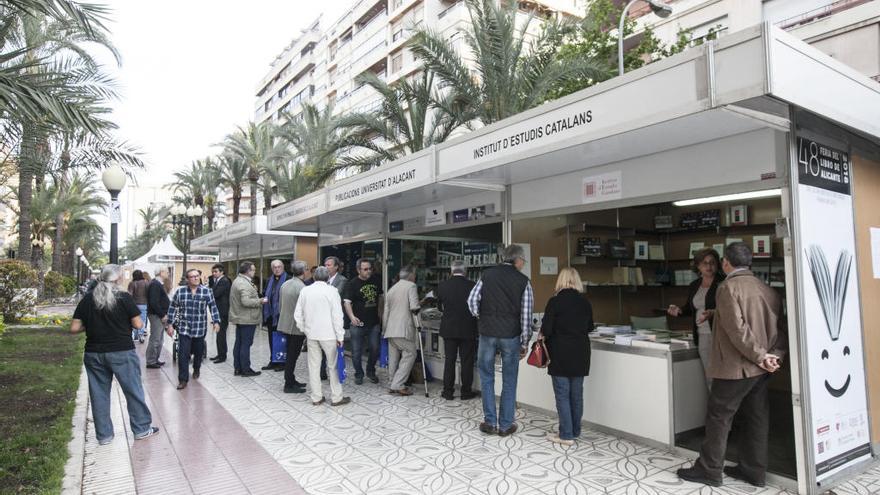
(321, 65)
(848, 30)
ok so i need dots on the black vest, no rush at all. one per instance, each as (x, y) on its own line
(501, 301)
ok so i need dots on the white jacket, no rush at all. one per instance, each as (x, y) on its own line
(318, 312)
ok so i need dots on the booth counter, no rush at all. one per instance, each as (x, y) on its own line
(606, 180)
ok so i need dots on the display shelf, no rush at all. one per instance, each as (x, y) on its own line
(720, 229)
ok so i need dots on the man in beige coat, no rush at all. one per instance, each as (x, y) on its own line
(287, 324)
(747, 346)
(245, 311)
(401, 302)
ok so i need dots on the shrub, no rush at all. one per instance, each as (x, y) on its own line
(53, 285)
(18, 295)
(69, 285)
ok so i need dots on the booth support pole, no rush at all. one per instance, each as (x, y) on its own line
(387, 266)
(506, 225)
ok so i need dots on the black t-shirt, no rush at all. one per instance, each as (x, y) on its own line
(107, 330)
(364, 297)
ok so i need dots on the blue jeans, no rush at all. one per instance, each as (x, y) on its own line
(241, 350)
(509, 348)
(358, 334)
(194, 346)
(135, 333)
(101, 367)
(569, 392)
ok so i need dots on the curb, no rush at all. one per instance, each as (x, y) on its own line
(76, 448)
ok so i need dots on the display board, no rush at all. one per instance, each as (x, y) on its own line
(838, 423)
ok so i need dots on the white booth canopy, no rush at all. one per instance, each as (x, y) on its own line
(723, 106)
(250, 237)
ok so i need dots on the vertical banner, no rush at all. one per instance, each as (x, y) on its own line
(115, 211)
(832, 317)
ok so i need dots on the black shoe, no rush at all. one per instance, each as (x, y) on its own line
(696, 475)
(324, 377)
(267, 367)
(737, 473)
(373, 378)
(359, 380)
(160, 363)
(221, 360)
(196, 374)
(447, 395)
(294, 390)
(181, 385)
(154, 366)
(299, 384)
(488, 429)
(251, 373)
(214, 358)
(237, 373)
(509, 431)
(279, 368)
(469, 395)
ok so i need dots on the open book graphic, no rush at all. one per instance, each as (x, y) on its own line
(832, 294)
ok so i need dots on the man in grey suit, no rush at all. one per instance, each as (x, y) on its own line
(287, 325)
(401, 302)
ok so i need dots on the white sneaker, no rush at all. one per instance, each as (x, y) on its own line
(106, 441)
(560, 441)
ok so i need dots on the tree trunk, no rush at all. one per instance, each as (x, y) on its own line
(57, 248)
(236, 205)
(26, 190)
(253, 198)
(209, 215)
(267, 201)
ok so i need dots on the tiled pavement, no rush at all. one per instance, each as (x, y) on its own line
(378, 444)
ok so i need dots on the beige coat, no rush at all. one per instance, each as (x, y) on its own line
(245, 307)
(400, 302)
(745, 328)
(289, 295)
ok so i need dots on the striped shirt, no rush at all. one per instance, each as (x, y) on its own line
(189, 311)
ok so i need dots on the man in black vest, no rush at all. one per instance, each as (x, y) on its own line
(502, 300)
(221, 285)
(459, 331)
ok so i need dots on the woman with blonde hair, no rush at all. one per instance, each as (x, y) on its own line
(568, 318)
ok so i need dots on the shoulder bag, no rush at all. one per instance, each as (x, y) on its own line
(538, 356)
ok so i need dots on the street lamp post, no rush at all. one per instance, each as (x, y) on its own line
(78, 253)
(185, 218)
(660, 8)
(114, 180)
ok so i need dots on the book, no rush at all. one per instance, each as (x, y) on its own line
(761, 246)
(694, 247)
(739, 215)
(640, 250)
(656, 252)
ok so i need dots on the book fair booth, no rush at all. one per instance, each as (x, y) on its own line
(754, 137)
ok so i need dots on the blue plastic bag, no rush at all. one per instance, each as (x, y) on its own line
(279, 347)
(383, 353)
(340, 364)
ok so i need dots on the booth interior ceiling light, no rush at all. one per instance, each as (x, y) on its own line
(769, 193)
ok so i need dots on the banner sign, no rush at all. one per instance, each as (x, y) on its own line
(382, 182)
(115, 211)
(832, 317)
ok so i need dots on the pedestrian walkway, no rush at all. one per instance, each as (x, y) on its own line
(227, 434)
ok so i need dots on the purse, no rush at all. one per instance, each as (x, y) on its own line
(538, 356)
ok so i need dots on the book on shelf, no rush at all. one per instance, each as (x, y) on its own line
(627, 275)
(761, 246)
(656, 252)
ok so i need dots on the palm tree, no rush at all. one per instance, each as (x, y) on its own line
(317, 139)
(290, 180)
(408, 121)
(256, 145)
(47, 49)
(233, 172)
(211, 182)
(192, 184)
(515, 70)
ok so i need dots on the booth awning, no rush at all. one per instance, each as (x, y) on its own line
(249, 238)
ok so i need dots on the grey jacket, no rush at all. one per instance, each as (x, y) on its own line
(289, 295)
(245, 307)
(400, 302)
(339, 282)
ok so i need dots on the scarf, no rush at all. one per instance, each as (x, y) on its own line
(273, 292)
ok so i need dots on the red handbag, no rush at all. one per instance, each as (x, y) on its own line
(538, 356)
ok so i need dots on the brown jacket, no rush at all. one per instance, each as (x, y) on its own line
(745, 327)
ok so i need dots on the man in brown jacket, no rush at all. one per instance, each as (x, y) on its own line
(747, 346)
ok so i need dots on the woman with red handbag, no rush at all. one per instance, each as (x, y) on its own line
(568, 318)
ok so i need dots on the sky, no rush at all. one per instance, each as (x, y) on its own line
(190, 70)
(188, 76)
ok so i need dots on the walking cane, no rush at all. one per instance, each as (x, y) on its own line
(418, 321)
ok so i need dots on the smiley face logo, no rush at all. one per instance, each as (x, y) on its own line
(832, 298)
(837, 391)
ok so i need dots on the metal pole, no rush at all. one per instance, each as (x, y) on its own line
(620, 37)
(185, 249)
(114, 233)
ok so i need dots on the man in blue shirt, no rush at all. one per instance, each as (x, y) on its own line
(188, 314)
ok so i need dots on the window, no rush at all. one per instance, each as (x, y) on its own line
(397, 63)
(418, 14)
(395, 4)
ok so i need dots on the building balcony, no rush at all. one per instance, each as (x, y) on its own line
(818, 13)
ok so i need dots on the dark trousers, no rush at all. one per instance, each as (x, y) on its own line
(465, 349)
(222, 347)
(294, 347)
(189, 345)
(748, 397)
(241, 350)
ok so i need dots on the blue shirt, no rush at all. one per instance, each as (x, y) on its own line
(189, 311)
(525, 315)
